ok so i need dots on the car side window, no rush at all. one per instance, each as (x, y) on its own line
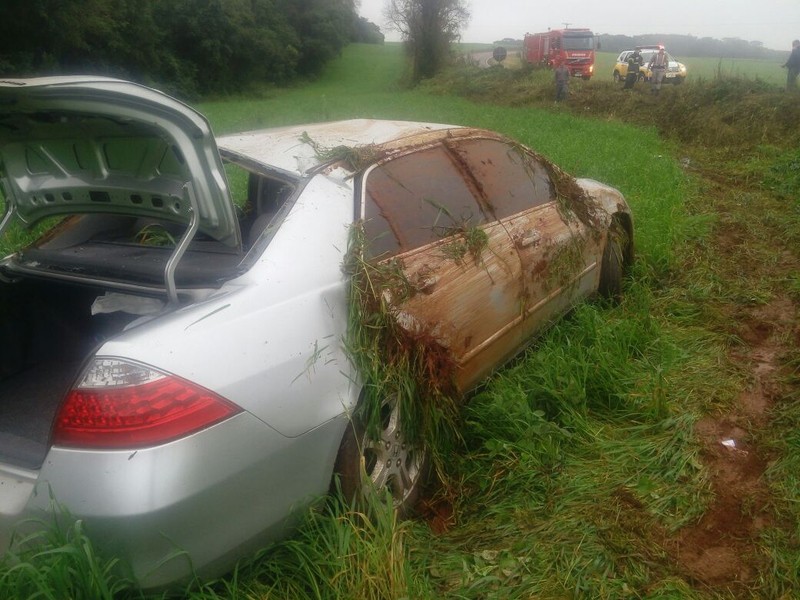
(418, 199)
(511, 179)
(257, 198)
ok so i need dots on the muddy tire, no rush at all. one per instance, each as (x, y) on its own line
(613, 264)
(617, 78)
(390, 463)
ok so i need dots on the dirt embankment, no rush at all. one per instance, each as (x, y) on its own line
(739, 139)
(743, 144)
(742, 139)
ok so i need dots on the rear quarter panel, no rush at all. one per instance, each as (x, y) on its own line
(271, 340)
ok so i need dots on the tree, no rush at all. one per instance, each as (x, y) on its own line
(186, 47)
(110, 37)
(428, 27)
(225, 45)
(323, 27)
(367, 32)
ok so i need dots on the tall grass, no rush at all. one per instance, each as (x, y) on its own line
(338, 553)
(58, 561)
(580, 459)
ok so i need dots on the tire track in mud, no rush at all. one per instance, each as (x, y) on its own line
(721, 551)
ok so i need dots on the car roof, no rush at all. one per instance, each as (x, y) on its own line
(301, 149)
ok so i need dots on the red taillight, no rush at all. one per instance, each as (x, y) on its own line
(119, 404)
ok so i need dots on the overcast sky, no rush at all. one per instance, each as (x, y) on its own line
(775, 23)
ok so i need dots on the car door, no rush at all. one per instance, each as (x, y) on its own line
(647, 56)
(424, 211)
(557, 250)
(622, 64)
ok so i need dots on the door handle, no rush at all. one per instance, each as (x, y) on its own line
(531, 237)
(425, 283)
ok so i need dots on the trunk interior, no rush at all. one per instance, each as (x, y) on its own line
(47, 331)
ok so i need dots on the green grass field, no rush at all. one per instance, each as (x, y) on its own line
(579, 464)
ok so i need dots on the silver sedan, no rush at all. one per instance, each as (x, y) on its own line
(176, 368)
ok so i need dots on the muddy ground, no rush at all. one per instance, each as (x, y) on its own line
(721, 130)
(722, 551)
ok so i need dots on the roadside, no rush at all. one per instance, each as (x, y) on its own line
(754, 253)
(724, 548)
(734, 136)
(596, 467)
(737, 140)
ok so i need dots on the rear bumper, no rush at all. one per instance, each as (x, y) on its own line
(17, 487)
(198, 503)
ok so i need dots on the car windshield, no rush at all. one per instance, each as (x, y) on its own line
(584, 42)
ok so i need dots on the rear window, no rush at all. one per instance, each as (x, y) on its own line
(259, 200)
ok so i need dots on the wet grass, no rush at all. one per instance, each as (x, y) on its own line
(412, 368)
(59, 561)
(338, 553)
(578, 462)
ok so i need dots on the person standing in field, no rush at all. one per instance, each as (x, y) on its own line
(658, 67)
(562, 82)
(635, 62)
(793, 65)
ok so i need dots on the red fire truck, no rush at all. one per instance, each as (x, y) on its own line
(575, 47)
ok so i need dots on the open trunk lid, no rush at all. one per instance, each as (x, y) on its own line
(77, 145)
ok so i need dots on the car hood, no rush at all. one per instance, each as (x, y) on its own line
(75, 145)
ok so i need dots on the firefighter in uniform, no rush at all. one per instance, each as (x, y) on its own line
(635, 62)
